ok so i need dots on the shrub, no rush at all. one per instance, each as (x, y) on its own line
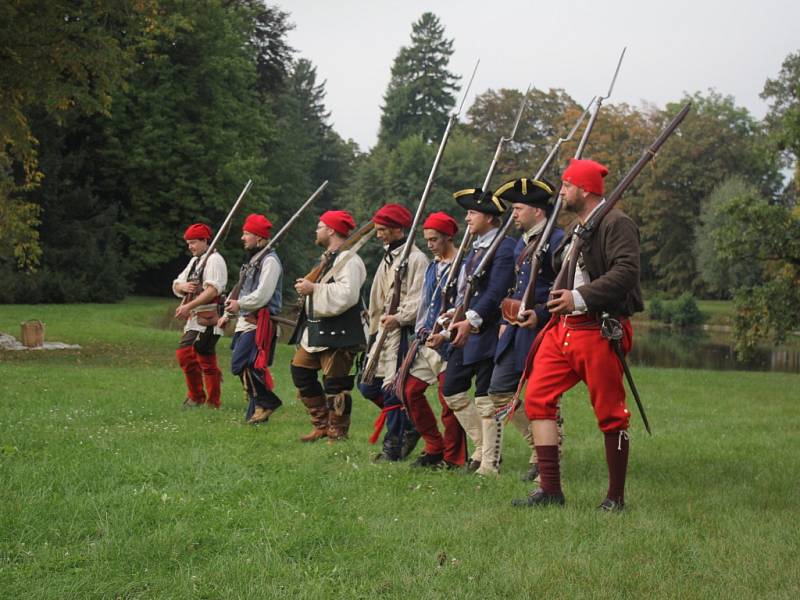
(682, 312)
(655, 308)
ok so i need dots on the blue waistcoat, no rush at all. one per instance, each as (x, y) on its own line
(517, 339)
(252, 274)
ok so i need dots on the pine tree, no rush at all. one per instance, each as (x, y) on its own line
(420, 94)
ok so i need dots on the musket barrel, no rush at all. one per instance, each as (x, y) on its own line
(277, 237)
(225, 224)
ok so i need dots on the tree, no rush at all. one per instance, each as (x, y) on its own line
(419, 97)
(187, 134)
(753, 230)
(547, 116)
(717, 140)
(722, 276)
(270, 27)
(305, 152)
(783, 118)
(58, 57)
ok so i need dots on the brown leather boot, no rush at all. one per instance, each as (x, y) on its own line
(260, 415)
(316, 434)
(339, 407)
(318, 411)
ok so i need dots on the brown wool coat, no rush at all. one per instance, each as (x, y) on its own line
(612, 259)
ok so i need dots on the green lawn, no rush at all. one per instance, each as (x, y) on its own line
(718, 312)
(109, 490)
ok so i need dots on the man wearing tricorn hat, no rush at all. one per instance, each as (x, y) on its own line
(329, 332)
(196, 351)
(391, 224)
(474, 338)
(260, 296)
(573, 347)
(531, 201)
(427, 366)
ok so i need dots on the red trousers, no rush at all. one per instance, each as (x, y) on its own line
(453, 443)
(570, 352)
(200, 369)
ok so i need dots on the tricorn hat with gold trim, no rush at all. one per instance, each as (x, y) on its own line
(478, 200)
(533, 192)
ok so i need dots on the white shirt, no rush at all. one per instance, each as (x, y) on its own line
(215, 274)
(335, 297)
(581, 275)
(260, 297)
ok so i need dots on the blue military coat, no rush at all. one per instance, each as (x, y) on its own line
(519, 339)
(490, 291)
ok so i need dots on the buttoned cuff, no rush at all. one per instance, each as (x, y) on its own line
(474, 319)
(580, 303)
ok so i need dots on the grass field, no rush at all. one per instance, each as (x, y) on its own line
(109, 490)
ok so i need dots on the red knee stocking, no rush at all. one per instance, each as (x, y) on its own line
(212, 378)
(617, 446)
(187, 359)
(549, 469)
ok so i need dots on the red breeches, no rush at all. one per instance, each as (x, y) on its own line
(570, 353)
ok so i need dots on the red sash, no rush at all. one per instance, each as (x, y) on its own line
(265, 331)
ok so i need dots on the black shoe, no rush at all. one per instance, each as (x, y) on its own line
(189, 403)
(539, 497)
(410, 439)
(432, 461)
(391, 449)
(473, 465)
(384, 457)
(532, 473)
(609, 505)
(452, 466)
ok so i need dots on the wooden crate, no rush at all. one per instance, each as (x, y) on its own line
(32, 333)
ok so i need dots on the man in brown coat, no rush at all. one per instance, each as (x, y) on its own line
(573, 349)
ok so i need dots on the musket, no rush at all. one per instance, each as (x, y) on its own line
(198, 269)
(322, 272)
(448, 288)
(448, 292)
(272, 243)
(358, 237)
(402, 263)
(488, 256)
(583, 233)
(358, 240)
(543, 245)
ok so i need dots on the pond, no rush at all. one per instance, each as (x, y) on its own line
(655, 346)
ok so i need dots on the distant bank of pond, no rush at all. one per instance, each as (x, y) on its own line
(656, 346)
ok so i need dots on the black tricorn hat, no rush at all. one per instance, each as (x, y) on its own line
(478, 200)
(533, 192)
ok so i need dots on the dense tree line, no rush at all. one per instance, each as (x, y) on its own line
(144, 117)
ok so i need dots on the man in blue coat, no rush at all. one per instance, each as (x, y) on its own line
(531, 201)
(474, 338)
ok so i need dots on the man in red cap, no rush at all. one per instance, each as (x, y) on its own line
(260, 296)
(391, 222)
(427, 365)
(329, 331)
(573, 347)
(200, 290)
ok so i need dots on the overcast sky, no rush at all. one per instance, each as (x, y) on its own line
(675, 46)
